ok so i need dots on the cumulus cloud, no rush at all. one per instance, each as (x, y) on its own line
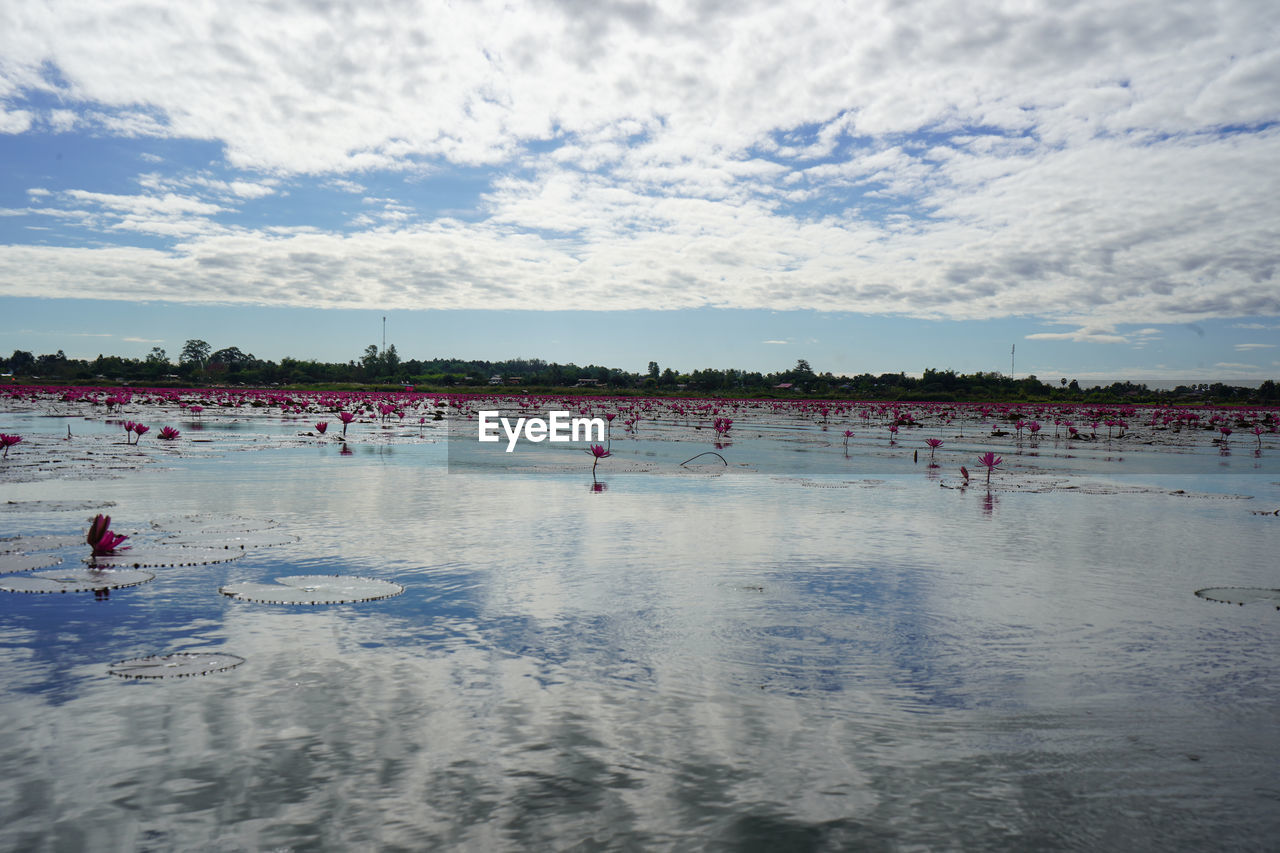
(14, 121)
(1092, 163)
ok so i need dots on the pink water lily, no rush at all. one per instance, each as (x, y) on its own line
(7, 441)
(322, 426)
(168, 433)
(140, 430)
(599, 452)
(102, 540)
(346, 418)
(990, 460)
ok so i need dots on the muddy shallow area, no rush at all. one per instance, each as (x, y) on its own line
(804, 644)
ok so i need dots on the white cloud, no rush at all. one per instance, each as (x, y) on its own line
(775, 342)
(345, 186)
(16, 121)
(61, 121)
(1096, 335)
(1248, 347)
(144, 340)
(666, 155)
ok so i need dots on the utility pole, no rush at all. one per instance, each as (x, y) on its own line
(1011, 351)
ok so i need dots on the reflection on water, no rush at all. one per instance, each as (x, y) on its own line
(698, 658)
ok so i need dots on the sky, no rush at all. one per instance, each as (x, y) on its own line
(1090, 187)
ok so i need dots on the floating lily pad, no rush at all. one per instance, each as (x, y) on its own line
(217, 522)
(158, 556)
(27, 562)
(1241, 595)
(244, 539)
(75, 580)
(177, 665)
(314, 589)
(22, 544)
(55, 506)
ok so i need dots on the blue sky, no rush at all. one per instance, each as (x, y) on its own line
(615, 183)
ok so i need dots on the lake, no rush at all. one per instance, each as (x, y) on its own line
(796, 645)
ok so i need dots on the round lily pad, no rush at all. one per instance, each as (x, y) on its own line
(1241, 595)
(155, 556)
(314, 589)
(216, 522)
(243, 539)
(22, 544)
(27, 562)
(75, 580)
(177, 665)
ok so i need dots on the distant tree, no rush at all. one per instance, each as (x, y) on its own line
(653, 371)
(369, 361)
(158, 357)
(21, 361)
(195, 351)
(231, 357)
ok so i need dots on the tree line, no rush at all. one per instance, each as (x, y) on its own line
(198, 364)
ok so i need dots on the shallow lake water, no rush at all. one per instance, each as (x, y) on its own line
(792, 651)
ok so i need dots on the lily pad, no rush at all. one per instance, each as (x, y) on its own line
(75, 580)
(241, 540)
(314, 589)
(55, 506)
(27, 562)
(177, 665)
(1241, 595)
(217, 522)
(22, 544)
(156, 556)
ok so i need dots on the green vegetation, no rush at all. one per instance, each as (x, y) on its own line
(199, 365)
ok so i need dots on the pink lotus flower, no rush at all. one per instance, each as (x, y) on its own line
(346, 418)
(100, 538)
(598, 452)
(965, 471)
(934, 444)
(7, 441)
(990, 460)
(140, 430)
(322, 426)
(168, 433)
